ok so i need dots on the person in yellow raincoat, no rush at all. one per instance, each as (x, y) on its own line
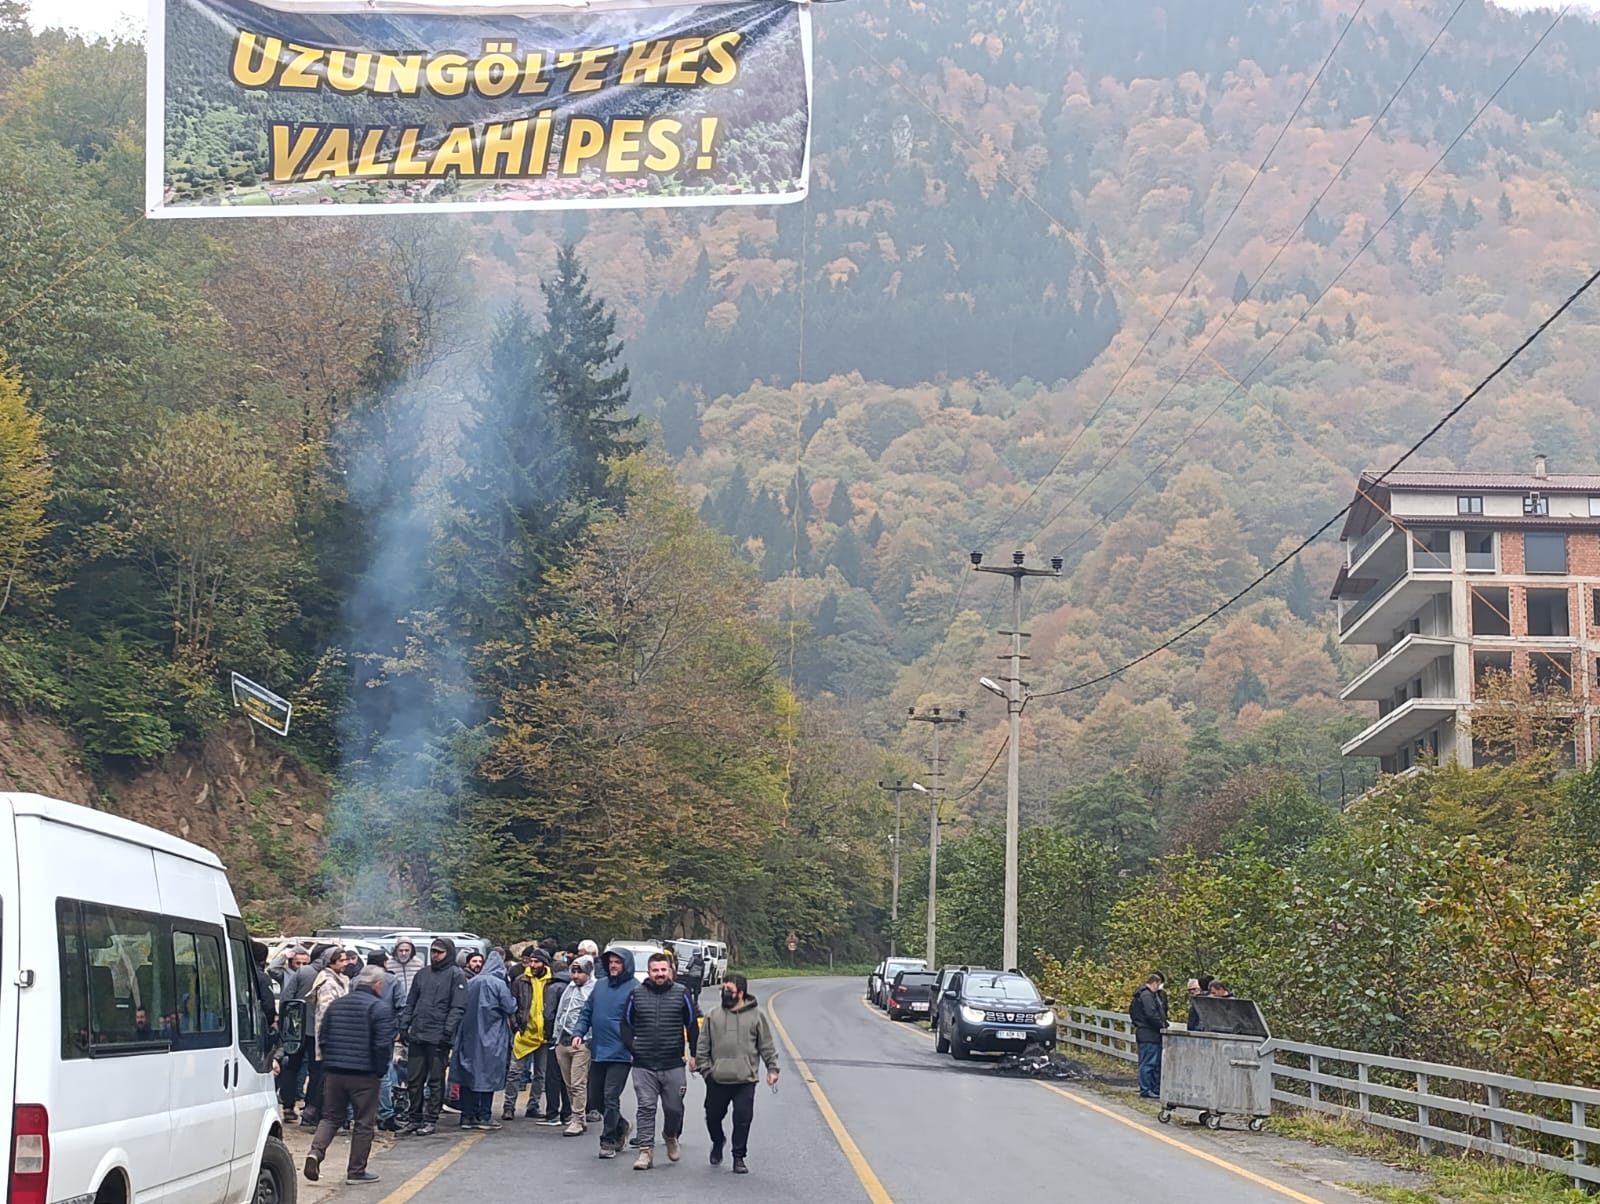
(529, 1053)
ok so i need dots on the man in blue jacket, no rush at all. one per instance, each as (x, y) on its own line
(600, 1025)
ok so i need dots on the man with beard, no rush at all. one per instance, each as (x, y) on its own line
(600, 1026)
(428, 1028)
(657, 1022)
(735, 1042)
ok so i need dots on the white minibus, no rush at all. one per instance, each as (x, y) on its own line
(132, 1038)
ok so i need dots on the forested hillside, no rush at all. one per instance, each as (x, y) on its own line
(563, 670)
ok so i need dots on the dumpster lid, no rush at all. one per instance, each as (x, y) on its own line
(1238, 1017)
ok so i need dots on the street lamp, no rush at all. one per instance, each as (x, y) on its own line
(1015, 698)
(937, 718)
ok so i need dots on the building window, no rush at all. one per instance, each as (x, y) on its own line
(1547, 613)
(1480, 552)
(1469, 505)
(1430, 550)
(1485, 665)
(1544, 552)
(1535, 503)
(1551, 671)
(1491, 612)
(1594, 507)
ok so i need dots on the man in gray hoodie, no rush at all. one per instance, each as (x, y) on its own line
(734, 1042)
(574, 1061)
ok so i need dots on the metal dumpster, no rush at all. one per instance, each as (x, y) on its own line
(1216, 1067)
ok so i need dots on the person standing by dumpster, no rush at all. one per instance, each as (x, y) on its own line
(1148, 1011)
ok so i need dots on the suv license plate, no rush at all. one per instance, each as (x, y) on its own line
(919, 1007)
(1008, 1034)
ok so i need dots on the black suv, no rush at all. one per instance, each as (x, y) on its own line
(992, 1011)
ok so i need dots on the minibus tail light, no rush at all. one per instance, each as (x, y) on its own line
(30, 1155)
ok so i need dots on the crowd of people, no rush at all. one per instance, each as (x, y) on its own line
(1150, 1013)
(394, 1040)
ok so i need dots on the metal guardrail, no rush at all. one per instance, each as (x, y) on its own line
(1109, 1033)
(1475, 1110)
(1540, 1124)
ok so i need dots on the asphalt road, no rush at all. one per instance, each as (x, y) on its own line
(874, 1115)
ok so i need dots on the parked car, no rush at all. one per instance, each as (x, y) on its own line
(641, 951)
(909, 995)
(132, 1049)
(993, 1011)
(713, 953)
(946, 973)
(883, 974)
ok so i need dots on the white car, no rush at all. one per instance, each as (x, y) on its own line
(714, 953)
(131, 1034)
(641, 951)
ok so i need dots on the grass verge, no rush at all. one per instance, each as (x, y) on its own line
(1451, 1179)
(839, 971)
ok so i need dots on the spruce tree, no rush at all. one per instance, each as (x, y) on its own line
(1299, 594)
(1241, 289)
(587, 389)
(1505, 206)
(849, 557)
(504, 524)
(1349, 325)
(680, 423)
(874, 530)
(1469, 215)
(840, 511)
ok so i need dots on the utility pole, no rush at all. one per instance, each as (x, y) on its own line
(935, 717)
(1015, 696)
(894, 906)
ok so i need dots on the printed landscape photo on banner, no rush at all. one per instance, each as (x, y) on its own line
(519, 108)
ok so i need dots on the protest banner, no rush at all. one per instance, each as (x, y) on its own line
(362, 106)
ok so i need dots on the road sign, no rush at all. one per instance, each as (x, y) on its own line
(262, 705)
(793, 942)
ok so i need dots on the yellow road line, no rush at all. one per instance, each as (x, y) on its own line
(432, 1171)
(1132, 1124)
(1203, 1155)
(852, 1152)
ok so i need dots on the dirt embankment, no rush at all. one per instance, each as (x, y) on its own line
(238, 795)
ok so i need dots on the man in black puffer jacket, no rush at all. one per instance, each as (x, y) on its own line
(656, 1023)
(428, 1026)
(357, 1039)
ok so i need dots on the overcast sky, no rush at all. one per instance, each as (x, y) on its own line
(110, 16)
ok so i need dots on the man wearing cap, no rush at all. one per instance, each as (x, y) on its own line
(572, 1058)
(428, 1026)
(528, 1049)
(357, 1042)
(557, 1103)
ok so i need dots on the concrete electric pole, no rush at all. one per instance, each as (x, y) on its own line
(1015, 696)
(938, 719)
(894, 905)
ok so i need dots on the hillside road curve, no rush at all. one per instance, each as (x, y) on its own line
(872, 1114)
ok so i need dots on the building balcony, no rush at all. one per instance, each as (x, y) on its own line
(1407, 722)
(1404, 661)
(1371, 618)
(1362, 549)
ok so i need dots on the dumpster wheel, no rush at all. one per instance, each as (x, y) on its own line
(1211, 1120)
(1257, 1123)
(1165, 1116)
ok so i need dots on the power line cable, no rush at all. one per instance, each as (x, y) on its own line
(1315, 535)
(1004, 744)
(1241, 381)
(1250, 291)
(1160, 321)
(1182, 288)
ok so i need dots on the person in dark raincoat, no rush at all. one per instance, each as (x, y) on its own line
(484, 1043)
